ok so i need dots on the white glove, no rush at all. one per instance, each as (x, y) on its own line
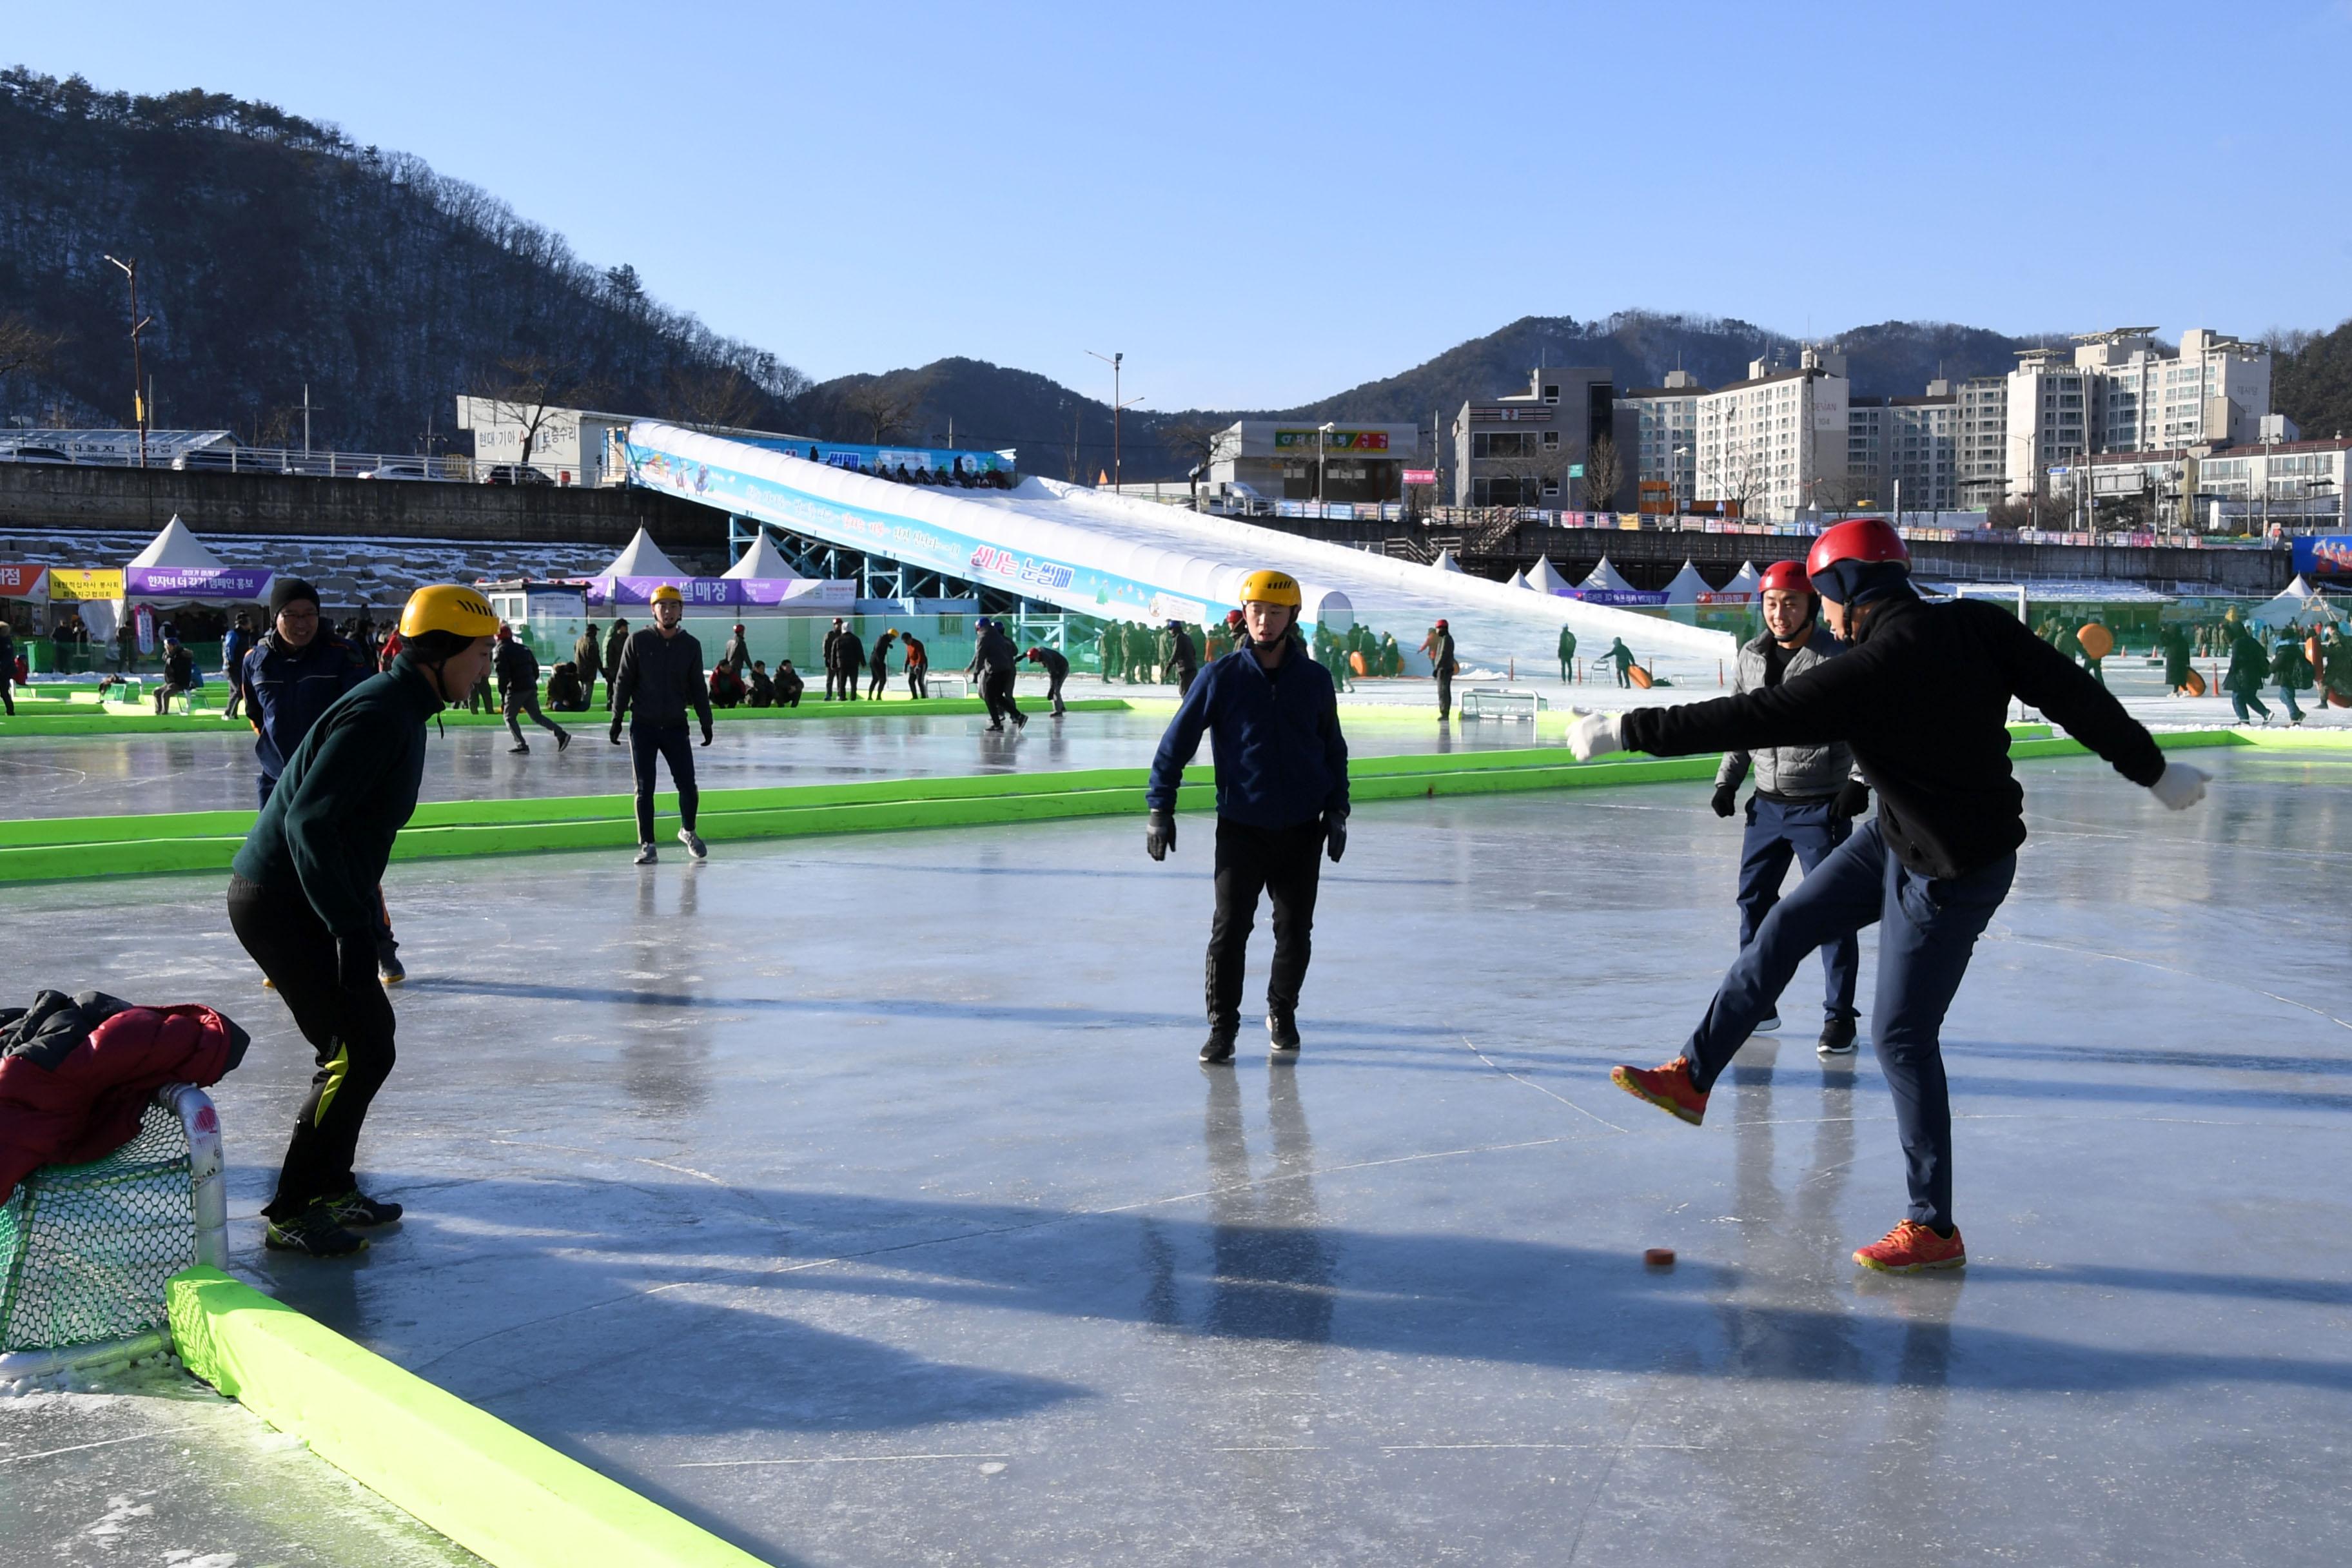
(1596, 735)
(2179, 786)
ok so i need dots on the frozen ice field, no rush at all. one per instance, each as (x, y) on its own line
(860, 1198)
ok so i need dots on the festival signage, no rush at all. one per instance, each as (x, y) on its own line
(1332, 441)
(238, 584)
(728, 593)
(20, 581)
(1623, 598)
(1421, 476)
(1726, 598)
(75, 582)
(2326, 555)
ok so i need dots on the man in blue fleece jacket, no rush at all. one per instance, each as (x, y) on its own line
(1282, 800)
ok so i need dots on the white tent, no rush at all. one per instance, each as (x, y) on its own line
(177, 547)
(644, 558)
(1546, 578)
(2299, 601)
(1445, 561)
(1747, 579)
(1605, 579)
(1516, 579)
(761, 560)
(1687, 586)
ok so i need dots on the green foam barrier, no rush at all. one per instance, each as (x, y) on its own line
(75, 719)
(59, 849)
(502, 1495)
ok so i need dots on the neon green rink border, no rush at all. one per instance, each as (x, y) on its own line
(502, 1495)
(43, 718)
(63, 849)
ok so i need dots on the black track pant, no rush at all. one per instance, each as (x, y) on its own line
(349, 1030)
(1444, 694)
(673, 746)
(1286, 863)
(996, 691)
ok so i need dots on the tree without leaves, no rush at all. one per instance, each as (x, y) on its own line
(719, 398)
(1198, 445)
(881, 408)
(1604, 473)
(26, 347)
(527, 389)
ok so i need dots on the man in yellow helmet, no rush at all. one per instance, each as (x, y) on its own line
(302, 899)
(1282, 800)
(660, 676)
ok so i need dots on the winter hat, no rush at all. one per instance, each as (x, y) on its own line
(286, 590)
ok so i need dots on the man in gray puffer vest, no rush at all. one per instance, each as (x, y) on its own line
(1806, 797)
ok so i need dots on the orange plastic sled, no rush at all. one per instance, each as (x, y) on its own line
(2196, 684)
(2096, 640)
(1639, 676)
(1356, 663)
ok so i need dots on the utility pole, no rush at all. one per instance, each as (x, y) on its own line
(1115, 361)
(137, 375)
(306, 418)
(1322, 432)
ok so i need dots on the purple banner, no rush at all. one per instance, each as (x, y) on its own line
(236, 584)
(727, 593)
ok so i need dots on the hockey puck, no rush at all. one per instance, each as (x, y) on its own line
(1659, 1257)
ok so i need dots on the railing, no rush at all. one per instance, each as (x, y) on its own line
(263, 460)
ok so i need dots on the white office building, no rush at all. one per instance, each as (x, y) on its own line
(1666, 449)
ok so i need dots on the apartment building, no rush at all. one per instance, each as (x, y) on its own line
(1667, 420)
(1905, 451)
(1534, 448)
(1770, 443)
(1982, 438)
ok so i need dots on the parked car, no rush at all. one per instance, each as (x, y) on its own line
(36, 455)
(513, 474)
(220, 458)
(413, 470)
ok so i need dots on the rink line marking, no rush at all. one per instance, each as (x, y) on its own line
(831, 1459)
(2011, 935)
(101, 1443)
(1539, 1088)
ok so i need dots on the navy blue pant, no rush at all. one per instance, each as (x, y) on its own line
(674, 746)
(1927, 929)
(1778, 833)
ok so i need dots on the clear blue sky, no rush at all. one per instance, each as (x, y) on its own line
(1263, 203)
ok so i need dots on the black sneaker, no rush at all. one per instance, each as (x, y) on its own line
(1837, 1039)
(313, 1231)
(388, 967)
(518, 750)
(355, 1209)
(562, 742)
(1219, 1050)
(1282, 1028)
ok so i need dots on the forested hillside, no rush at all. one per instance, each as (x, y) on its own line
(273, 252)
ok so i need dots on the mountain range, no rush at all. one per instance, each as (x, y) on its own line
(279, 260)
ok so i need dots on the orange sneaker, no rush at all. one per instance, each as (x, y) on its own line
(1667, 1088)
(1910, 1247)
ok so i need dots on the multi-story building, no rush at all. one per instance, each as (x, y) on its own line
(1982, 440)
(1287, 460)
(1534, 447)
(1667, 438)
(2122, 392)
(2050, 417)
(1903, 451)
(2280, 482)
(1766, 445)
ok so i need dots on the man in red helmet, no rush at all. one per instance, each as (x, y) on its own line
(1922, 697)
(1439, 646)
(1806, 797)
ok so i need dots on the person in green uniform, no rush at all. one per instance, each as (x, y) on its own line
(1391, 655)
(1567, 654)
(1622, 657)
(1106, 651)
(2335, 666)
(2292, 670)
(302, 901)
(2173, 642)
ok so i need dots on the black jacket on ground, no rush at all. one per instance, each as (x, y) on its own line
(347, 790)
(661, 678)
(1923, 701)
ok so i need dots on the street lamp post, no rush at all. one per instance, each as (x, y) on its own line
(1322, 432)
(1115, 361)
(138, 380)
(1675, 484)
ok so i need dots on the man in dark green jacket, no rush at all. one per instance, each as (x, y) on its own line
(302, 901)
(1567, 654)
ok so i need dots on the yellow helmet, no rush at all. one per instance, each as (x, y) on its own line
(1271, 587)
(667, 593)
(447, 608)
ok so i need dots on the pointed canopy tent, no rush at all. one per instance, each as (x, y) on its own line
(761, 560)
(1445, 561)
(1687, 586)
(1546, 577)
(1747, 579)
(643, 558)
(1606, 579)
(1517, 580)
(2298, 601)
(178, 548)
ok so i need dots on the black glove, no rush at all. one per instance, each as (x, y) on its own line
(1726, 797)
(706, 734)
(1159, 835)
(1853, 800)
(1335, 835)
(615, 736)
(355, 962)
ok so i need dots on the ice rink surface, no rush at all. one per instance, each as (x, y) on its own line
(861, 1199)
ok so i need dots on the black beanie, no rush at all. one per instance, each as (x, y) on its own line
(286, 590)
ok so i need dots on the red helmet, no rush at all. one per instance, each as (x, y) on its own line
(1440, 623)
(1863, 539)
(1789, 576)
